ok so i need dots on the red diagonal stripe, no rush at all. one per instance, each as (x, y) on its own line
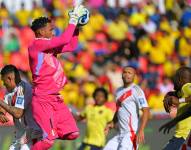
(124, 96)
(14, 99)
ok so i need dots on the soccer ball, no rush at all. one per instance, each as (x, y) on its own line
(84, 19)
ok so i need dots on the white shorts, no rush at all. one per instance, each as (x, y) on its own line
(18, 146)
(19, 142)
(122, 142)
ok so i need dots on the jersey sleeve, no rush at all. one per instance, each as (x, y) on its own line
(56, 42)
(186, 90)
(140, 97)
(20, 99)
(71, 46)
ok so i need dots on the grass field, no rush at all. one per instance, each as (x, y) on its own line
(154, 139)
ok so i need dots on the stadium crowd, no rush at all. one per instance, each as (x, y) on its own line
(152, 36)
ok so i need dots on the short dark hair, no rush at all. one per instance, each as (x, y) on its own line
(9, 69)
(100, 89)
(129, 66)
(39, 23)
(182, 76)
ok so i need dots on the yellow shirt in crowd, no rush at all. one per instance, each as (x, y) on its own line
(23, 17)
(156, 102)
(118, 30)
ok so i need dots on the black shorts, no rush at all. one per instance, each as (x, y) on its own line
(86, 146)
(174, 143)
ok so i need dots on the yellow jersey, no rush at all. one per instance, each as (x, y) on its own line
(183, 127)
(97, 118)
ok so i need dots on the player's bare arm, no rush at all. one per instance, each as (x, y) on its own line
(3, 117)
(173, 100)
(144, 120)
(112, 124)
(2, 111)
(78, 117)
(170, 99)
(15, 112)
(169, 125)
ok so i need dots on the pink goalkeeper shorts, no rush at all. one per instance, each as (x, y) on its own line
(53, 116)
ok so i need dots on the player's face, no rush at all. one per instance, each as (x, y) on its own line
(128, 75)
(48, 30)
(100, 98)
(9, 81)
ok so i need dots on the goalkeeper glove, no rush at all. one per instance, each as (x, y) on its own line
(75, 14)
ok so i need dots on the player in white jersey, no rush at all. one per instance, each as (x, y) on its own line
(130, 99)
(17, 102)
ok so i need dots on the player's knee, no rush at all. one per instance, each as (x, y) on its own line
(44, 144)
(72, 136)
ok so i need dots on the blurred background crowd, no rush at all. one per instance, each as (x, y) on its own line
(154, 36)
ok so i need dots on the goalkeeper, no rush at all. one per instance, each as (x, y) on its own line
(181, 99)
(49, 111)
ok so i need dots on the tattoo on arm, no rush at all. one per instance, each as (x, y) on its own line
(16, 112)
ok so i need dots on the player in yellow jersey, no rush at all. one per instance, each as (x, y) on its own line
(179, 98)
(97, 116)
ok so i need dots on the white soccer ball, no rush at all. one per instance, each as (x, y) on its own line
(84, 19)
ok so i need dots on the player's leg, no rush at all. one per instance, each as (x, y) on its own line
(112, 144)
(71, 136)
(64, 121)
(174, 143)
(44, 144)
(26, 146)
(14, 146)
(43, 115)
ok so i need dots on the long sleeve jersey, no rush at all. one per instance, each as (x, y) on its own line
(47, 72)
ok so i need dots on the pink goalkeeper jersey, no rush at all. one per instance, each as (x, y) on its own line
(47, 72)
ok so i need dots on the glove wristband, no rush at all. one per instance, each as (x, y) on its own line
(73, 21)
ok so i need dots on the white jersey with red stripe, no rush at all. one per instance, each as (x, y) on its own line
(129, 101)
(21, 98)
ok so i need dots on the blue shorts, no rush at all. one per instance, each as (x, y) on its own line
(174, 143)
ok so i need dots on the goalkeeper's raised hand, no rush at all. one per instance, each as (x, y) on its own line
(77, 12)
